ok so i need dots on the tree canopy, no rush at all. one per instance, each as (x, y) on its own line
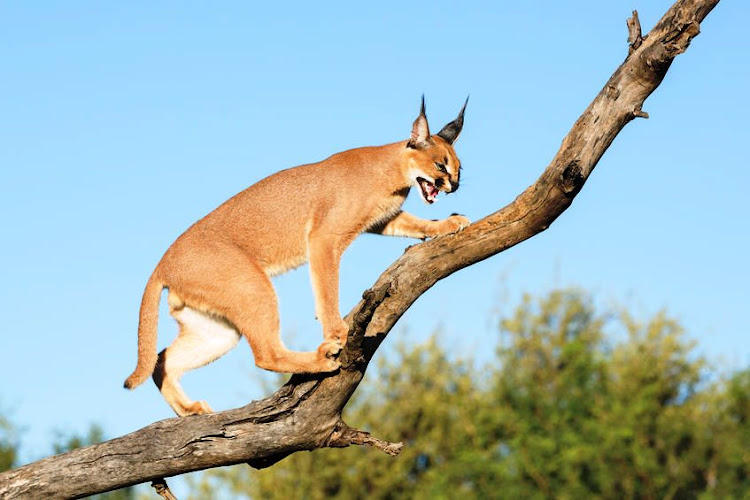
(8, 444)
(578, 402)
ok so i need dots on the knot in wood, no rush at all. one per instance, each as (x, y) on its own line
(572, 179)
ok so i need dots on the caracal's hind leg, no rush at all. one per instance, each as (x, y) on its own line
(202, 339)
(250, 304)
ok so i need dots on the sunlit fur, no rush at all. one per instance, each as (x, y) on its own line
(218, 271)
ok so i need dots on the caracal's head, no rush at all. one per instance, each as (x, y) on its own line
(432, 165)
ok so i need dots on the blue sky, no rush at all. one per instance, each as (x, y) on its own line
(121, 124)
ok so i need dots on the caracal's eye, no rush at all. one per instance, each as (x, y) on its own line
(441, 167)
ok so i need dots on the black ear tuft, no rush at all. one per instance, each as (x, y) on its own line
(420, 131)
(451, 131)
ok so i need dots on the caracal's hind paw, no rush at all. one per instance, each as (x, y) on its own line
(328, 353)
(199, 408)
(340, 333)
(331, 365)
(330, 348)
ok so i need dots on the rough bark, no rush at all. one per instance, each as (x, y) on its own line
(305, 414)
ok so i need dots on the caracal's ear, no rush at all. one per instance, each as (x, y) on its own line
(451, 131)
(420, 131)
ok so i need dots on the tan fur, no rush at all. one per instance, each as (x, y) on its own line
(218, 272)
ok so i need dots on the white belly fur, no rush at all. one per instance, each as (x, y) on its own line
(207, 333)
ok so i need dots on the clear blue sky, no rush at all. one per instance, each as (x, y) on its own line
(123, 123)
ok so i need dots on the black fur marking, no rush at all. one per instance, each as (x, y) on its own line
(451, 131)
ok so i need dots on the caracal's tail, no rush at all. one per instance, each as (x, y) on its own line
(147, 326)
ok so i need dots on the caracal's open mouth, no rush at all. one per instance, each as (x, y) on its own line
(428, 189)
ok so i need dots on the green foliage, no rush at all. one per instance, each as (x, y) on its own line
(581, 418)
(8, 444)
(546, 399)
(577, 404)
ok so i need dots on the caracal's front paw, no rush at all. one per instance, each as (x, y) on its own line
(452, 224)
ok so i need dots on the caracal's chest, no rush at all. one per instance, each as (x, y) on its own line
(380, 210)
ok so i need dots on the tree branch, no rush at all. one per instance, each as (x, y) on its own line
(634, 32)
(160, 485)
(344, 436)
(305, 414)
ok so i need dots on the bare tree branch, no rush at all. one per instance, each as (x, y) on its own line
(344, 436)
(634, 32)
(160, 485)
(305, 414)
